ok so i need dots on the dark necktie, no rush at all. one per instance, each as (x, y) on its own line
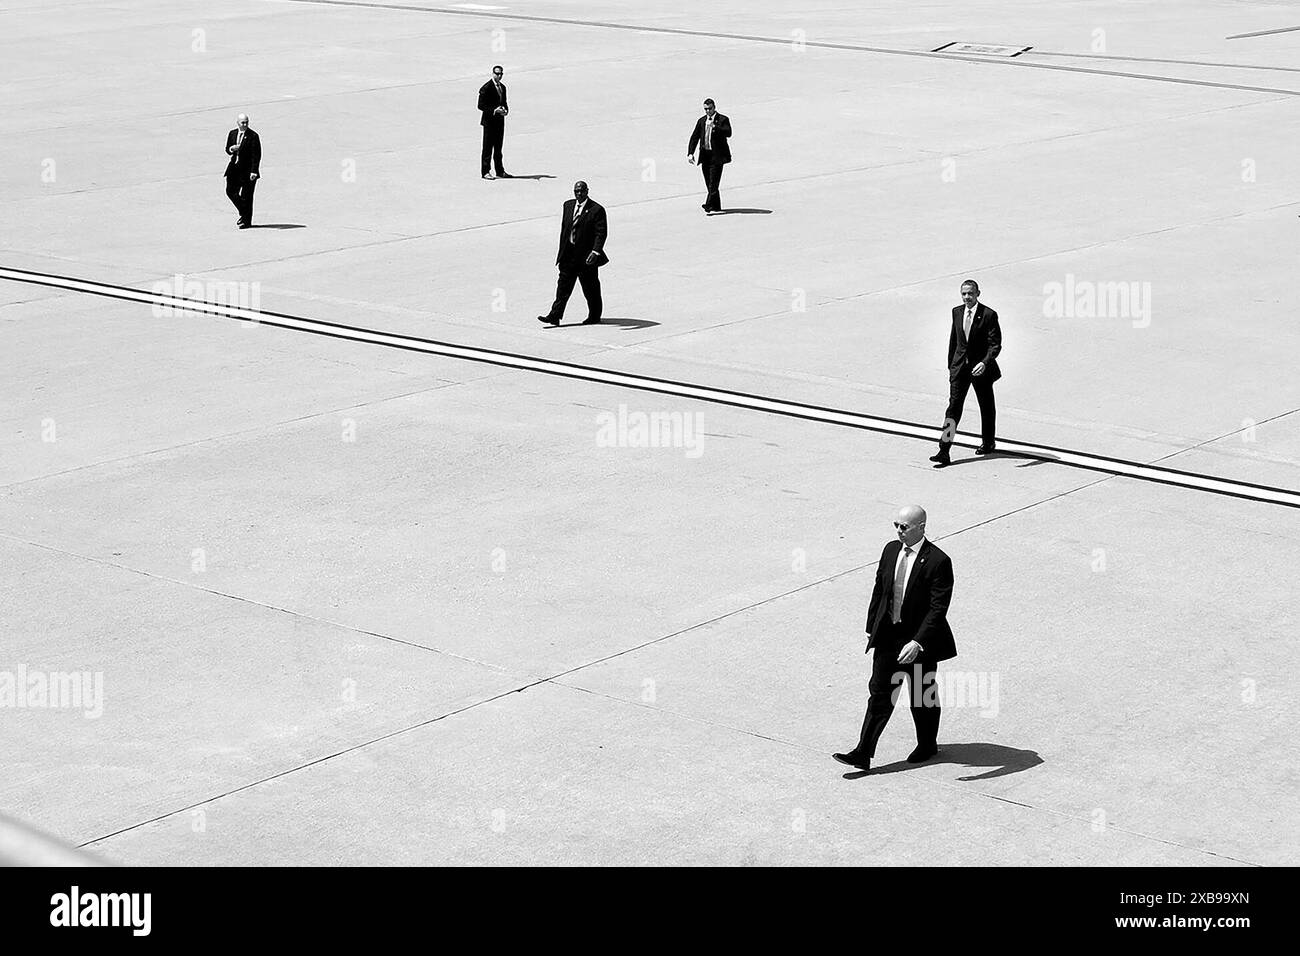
(573, 228)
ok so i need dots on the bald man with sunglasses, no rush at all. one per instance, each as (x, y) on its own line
(908, 634)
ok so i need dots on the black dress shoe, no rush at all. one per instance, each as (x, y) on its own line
(591, 321)
(941, 455)
(854, 760)
(244, 225)
(922, 754)
(986, 449)
(548, 320)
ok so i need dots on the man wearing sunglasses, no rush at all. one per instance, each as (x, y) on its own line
(907, 628)
(493, 107)
(710, 135)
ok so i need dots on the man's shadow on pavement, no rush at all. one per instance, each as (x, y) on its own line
(743, 211)
(277, 225)
(537, 176)
(1002, 760)
(621, 323)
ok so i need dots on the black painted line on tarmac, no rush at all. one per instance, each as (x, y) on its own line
(774, 406)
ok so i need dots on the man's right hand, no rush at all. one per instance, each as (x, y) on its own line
(691, 159)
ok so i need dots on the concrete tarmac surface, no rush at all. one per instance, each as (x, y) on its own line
(330, 602)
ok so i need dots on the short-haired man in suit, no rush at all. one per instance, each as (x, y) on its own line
(973, 346)
(493, 107)
(711, 133)
(583, 229)
(907, 628)
(244, 147)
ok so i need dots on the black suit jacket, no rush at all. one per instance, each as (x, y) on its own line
(248, 159)
(721, 131)
(925, 603)
(984, 345)
(591, 231)
(488, 101)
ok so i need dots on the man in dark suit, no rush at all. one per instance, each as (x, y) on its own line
(907, 627)
(711, 133)
(582, 252)
(244, 147)
(973, 346)
(492, 104)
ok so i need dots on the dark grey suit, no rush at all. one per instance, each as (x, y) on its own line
(245, 159)
(578, 239)
(490, 96)
(983, 346)
(923, 617)
(715, 152)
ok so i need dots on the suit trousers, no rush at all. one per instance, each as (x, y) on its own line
(494, 135)
(589, 277)
(958, 386)
(239, 190)
(711, 169)
(887, 680)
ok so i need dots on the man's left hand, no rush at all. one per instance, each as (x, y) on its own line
(978, 369)
(252, 176)
(909, 652)
(591, 257)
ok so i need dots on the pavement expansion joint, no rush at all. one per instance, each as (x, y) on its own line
(785, 41)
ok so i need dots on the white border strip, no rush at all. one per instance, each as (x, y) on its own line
(830, 416)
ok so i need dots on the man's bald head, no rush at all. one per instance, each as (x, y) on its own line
(910, 524)
(242, 120)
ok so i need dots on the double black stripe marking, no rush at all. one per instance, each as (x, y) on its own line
(704, 393)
